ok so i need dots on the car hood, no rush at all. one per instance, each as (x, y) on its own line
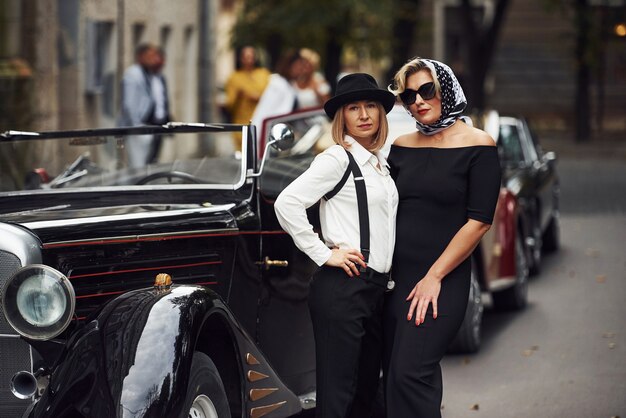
(66, 224)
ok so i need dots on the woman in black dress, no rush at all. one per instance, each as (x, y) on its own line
(448, 177)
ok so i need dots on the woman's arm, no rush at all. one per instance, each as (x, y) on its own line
(290, 207)
(483, 189)
(427, 289)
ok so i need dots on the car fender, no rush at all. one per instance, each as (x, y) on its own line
(507, 221)
(134, 357)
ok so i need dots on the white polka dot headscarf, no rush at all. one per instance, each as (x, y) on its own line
(453, 100)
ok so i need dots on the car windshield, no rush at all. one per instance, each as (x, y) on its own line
(510, 145)
(113, 158)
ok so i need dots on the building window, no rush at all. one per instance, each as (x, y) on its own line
(166, 32)
(98, 55)
(138, 32)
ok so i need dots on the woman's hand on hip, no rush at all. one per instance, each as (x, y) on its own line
(348, 260)
(426, 291)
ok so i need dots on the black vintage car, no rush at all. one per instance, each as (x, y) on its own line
(531, 175)
(167, 290)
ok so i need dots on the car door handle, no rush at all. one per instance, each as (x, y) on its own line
(272, 263)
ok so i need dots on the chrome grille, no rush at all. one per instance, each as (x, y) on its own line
(8, 264)
(14, 357)
(15, 354)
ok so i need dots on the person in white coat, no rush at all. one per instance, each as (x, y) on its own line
(280, 96)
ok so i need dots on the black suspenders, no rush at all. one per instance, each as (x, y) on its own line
(361, 197)
(364, 216)
(364, 221)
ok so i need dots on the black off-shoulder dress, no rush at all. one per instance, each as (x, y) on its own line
(440, 189)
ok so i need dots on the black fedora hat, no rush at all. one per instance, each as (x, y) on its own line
(358, 86)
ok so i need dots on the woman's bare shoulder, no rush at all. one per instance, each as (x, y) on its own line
(406, 140)
(478, 137)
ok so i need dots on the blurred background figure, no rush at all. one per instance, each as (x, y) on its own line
(280, 95)
(160, 94)
(244, 88)
(312, 88)
(144, 102)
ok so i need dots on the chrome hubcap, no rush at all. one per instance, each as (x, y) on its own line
(202, 407)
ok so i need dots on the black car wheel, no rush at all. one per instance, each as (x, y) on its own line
(534, 259)
(552, 235)
(516, 296)
(467, 339)
(206, 397)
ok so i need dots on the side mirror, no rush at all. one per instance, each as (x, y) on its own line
(281, 137)
(549, 156)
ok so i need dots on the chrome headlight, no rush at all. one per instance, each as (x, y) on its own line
(38, 301)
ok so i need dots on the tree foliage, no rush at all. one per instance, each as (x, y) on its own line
(585, 54)
(327, 26)
(405, 19)
(481, 42)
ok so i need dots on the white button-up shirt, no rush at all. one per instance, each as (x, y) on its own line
(339, 216)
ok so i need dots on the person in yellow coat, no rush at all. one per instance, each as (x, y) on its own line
(244, 88)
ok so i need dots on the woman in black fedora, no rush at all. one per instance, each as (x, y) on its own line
(357, 216)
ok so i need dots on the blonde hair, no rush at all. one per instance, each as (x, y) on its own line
(338, 129)
(311, 56)
(414, 65)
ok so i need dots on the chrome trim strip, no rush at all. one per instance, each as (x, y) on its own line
(256, 376)
(20, 243)
(502, 283)
(244, 159)
(261, 411)
(251, 360)
(206, 186)
(10, 336)
(129, 216)
(256, 394)
(190, 234)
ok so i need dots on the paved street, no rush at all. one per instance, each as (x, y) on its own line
(565, 355)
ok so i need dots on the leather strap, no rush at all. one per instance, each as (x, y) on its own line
(364, 218)
(361, 197)
(339, 185)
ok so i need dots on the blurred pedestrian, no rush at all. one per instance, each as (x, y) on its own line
(347, 292)
(161, 114)
(280, 96)
(312, 88)
(141, 104)
(448, 179)
(244, 88)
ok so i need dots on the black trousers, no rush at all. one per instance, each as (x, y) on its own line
(413, 380)
(347, 323)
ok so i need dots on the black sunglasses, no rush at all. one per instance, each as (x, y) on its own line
(426, 91)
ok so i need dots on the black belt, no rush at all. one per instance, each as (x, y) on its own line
(371, 275)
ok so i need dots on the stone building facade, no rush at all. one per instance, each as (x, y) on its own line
(75, 53)
(61, 61)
